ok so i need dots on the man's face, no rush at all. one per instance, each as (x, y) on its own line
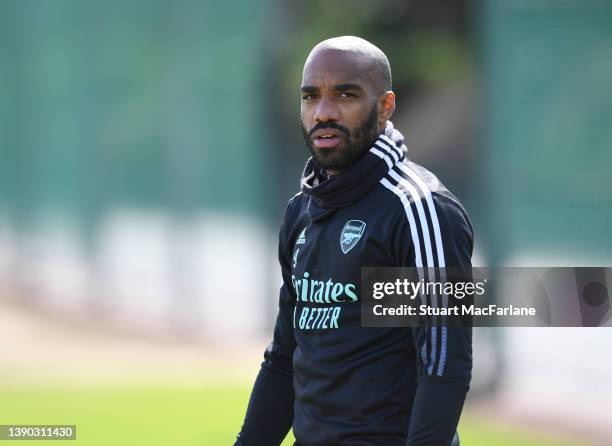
(339, 109)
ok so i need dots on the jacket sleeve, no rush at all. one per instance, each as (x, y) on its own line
(269, 414)
(444, 353)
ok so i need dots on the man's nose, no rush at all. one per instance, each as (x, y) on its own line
(327, 110)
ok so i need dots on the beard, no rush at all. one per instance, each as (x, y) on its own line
(356, 143)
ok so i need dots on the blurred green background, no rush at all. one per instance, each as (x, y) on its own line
(193, 416)
(147, 151)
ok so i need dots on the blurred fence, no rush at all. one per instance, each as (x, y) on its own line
(548, 141)
(547, 189)
(133, 171)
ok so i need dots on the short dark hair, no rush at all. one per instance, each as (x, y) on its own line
(381, 69)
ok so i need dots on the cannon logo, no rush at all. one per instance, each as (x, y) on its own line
(351, 234)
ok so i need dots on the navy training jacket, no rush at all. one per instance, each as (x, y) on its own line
(333, 381)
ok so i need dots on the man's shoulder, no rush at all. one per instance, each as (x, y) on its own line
(420, 190)
(296, 215)
(296, 198)
(450, 211)
(296, 205)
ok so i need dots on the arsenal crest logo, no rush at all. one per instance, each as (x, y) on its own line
(351, 234)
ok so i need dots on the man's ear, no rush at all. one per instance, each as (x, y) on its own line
(386, 107)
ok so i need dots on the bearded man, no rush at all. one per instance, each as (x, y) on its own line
(362, 203)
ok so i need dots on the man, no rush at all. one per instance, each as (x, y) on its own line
(362, 203)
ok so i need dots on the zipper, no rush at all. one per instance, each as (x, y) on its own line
(315, 264)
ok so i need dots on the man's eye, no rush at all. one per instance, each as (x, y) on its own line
(344, 94)
(308, 97)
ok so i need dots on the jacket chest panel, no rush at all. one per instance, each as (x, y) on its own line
(328, 256)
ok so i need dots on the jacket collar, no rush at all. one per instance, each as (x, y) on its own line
(329, 193)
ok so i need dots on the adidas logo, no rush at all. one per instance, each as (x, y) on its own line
(301, 238)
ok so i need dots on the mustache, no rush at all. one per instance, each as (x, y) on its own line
(329, 125)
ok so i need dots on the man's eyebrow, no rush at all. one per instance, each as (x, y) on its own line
(347, 87)
(338, 87)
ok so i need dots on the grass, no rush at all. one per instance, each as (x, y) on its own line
(209, 416)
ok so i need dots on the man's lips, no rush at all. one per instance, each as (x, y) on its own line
(327, 138)
(327, 142)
